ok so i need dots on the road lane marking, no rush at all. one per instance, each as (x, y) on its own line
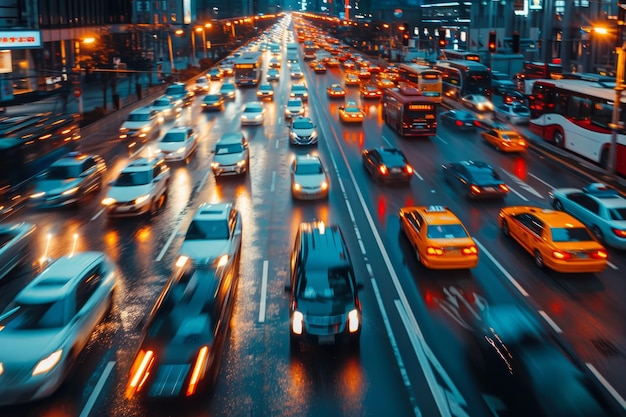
(387, 142)
(204, 179)
(607, 386)
(418, 175)
(441, 139)
(276, 146)
(501, 268)
(96, 391)
(550, 321)
(95, 216)
(263, 291)
(517, 194)
(612, 265)
(169, 241)
(541, 181)
(273, 183)
(522, 184)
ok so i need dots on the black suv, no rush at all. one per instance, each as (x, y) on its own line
(179, 91)
(325, 307)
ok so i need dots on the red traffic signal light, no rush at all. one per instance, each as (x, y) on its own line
(492, 41)
(405, 39)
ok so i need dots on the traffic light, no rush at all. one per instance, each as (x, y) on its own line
(515, 43)
(442, 39)
(492, 41)
(405, 39)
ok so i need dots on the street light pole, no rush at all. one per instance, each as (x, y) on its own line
(615, 125)
(193, 47)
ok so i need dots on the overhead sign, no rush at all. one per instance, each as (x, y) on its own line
(20, 39)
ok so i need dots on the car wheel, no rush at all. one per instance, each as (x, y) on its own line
(154, 208)
(505, 228)
(557, 205)
(538, 259)
(597, 233)
(559, 139)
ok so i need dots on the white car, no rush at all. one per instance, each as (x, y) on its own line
(232, 156)
(265, 91)
(303, 131)
(253, 114)
(296, 72)
(272, 75)
(202, 84)
(178, 144)
(228, 90)
(294, 108)
(141, 125)
(169, 109)
(514, 113)
(50, 321)
(299, 91)
(309, 179)
(141, 188)
(601, 208)
(477, 102)
(214, 236)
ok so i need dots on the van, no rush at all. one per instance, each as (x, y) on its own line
(324, 307)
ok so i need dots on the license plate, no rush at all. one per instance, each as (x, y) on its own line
(396, 170)
(326, 339)
(490, 189)
(581, 254)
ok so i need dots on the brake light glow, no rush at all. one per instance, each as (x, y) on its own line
(600, 254)
(198, 370)
(382, 169)
(470, 250)
(475, 189)
(140, 371)
(561, 255)
(431, 250)
(619, 232)
(504, 188)
(353, 321)
(409, 169)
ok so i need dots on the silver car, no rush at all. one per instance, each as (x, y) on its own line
(16, 240)
(253, 114)
(309, 179)
(231, 155)
(294, 108)
(50, 321)
(214, 236)
(169, 109)
(178, 144)
(303, 132)
(69, 181)
(515, 113)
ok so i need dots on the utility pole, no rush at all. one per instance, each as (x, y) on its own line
(566, 40)
(546, 31)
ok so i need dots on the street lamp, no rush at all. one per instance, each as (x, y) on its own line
(617, 104)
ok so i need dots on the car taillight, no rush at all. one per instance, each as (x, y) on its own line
(353, 321)
(297, 323)
(599, 254)
(409, 169)
(475, 189)
(619, 232)
(382, 169)
(504, 188)
(470, 250)
(458, 123)
(522, 143)
(140, 371)
(198, 370)
(431, 250)
(561, 255)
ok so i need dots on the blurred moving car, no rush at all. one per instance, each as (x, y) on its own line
(49, 322)
(510, 97)
(387, 164)
(370, 91)
(319, 68)
(212, 102)
(169, 108)
(601, 208)
(213, 238)
(501, 82)
(232, 155)
(324, 303)
(460, 119)
(505, 140)
(202, 84)
(309, 179)
(299, 91)
(69, 181)
(178, 144)
(215, 74)
(303, 131)
(554, 238)
(182, 342)
(296, 72)
(477, 102)
(16, 243)
(142, 124)
(179, 91)
(253, 113)
(351, 113)
(335, 91)
(228, 90)
(475, 179)
(265, 92)
(272, 75)
(140, 188)
(438, 237)
(294, 108)
(352, 79)
(514, 113)
(384, 83)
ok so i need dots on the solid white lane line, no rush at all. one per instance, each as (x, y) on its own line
(541, 181)
(550, 321)
(204, 179)
(612, 265)
(169, 241)
(95, 216)
(276, 146)
(517, 194)
(607, 386)
(418, 175)
(441, 139)
(96, 391)
(501, 268)
(387, 142)
(263, 292)
(273, 183)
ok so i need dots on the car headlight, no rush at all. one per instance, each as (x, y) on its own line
(1, 368)
(297, 322)
(241, 163)
(145, 129)
(314, 134)
(181, 150)
(353, 321)
(48, 363)
(71, 191)
(108, 201)
(37, 195)
(324, 185)
(142, 199)
(215, 164)
(297, 186)
(123, 129)
(222, 261)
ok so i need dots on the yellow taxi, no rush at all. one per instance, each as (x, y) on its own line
(333, 63)
(385, 83)
(505, 140)
(352, 79)
(351, 113)
(439, 238)
(554, 238)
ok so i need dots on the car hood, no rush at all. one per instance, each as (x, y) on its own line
(204, 250)
(27, 347)
(325, 306)
(125, 194)
(56, 186)
(171, 146)
(293, 108)
(229, 158)
(135, 125)
(303, 132)
(309, 180)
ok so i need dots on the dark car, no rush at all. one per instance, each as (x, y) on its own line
(212, 102)
(69, 181)
(179, 91)
(475, 179)
(325, 306)
(387, 164)
(460, 119)
(182, 341)
(509, 97)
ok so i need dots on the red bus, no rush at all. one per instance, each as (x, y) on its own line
(576, 115)
(409, 113)
(536, 71)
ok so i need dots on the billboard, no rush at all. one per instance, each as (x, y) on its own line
(20, 39)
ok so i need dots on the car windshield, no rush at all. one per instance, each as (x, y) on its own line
(175, 89)
(570, 234)
(212, 97)
(446, 231)
(294, 103)
(309, 169)
(302, 124)
(207, 230)
(63, 172)
(333, 283)
(24, 316)
(139, 117)
(127, 179)
(253, 109)
(352, 110)
(228, 87)
(618, 213)
(298, 88)
(484, 177)
(228, 148)
(520, 110)
(510, 136)
(174, 137)
(161, 103)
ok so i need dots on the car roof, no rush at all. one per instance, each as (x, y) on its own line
(182, 129)
(59, 277)
(435, 214)
(323, 245)
(253, 104)
(607, 196)
(142, 110)
(213, 211)
(308, 159)
(554, 218)
(476, 165)
(302, 119)
(231, 137)
(143, 164)
(72, 158)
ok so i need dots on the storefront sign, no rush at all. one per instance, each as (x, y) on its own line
(5, 62)
(20, 39)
